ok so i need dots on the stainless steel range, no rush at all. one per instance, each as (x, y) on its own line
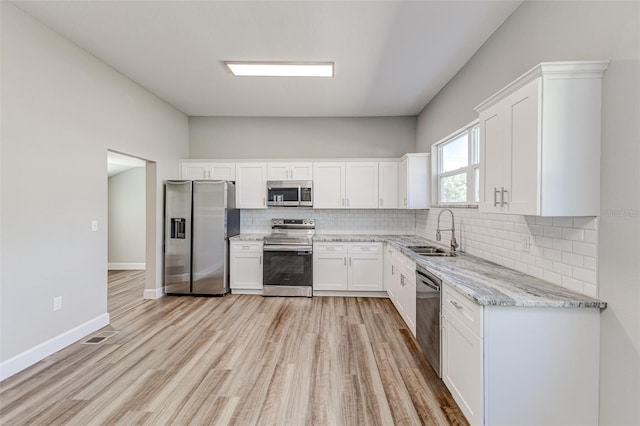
(288, 258)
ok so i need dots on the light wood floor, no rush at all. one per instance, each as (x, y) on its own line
(238, 359)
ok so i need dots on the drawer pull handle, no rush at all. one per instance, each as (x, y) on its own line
(456, 304)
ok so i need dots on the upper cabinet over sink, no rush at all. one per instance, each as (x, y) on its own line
(540, 142)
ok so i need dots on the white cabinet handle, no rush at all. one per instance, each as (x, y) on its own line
(345, 261)
(261, 260)
(349, 261)
(495, 197)
(343, 202)
(456, 304)
(392, 271)
(402, 280)
(381, 203)
(347, 202)
(264, 201)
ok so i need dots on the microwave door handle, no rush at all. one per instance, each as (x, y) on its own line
(299, 195)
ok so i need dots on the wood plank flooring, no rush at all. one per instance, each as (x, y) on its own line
(241, 360)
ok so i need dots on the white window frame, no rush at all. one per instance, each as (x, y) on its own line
(436, 155)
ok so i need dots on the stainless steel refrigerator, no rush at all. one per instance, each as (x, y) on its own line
(199, 218)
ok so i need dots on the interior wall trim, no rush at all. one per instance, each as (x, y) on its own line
(126, 266)
(31, 356)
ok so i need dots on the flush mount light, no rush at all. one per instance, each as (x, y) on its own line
(281, 69)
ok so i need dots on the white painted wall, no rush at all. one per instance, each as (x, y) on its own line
(288, 137)
(127, 219)
(61, 110)
(552, 31)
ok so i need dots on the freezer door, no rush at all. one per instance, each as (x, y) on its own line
(209, 244)
(177, 237)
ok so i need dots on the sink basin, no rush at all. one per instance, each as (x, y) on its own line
(431, 251)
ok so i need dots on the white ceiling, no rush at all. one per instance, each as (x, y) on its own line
(391, 57)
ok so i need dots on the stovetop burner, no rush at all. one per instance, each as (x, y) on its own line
(291, 232)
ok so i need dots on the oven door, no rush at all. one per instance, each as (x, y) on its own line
(288, 270)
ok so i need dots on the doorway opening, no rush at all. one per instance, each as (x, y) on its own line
(131, 231)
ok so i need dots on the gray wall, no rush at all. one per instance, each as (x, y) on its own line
(276, 137)
(552, 31)
(62, 109)
(127, 217)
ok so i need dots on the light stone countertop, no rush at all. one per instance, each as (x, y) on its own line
(481, 281)
(248, 237)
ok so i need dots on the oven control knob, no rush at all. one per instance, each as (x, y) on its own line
(305, 222)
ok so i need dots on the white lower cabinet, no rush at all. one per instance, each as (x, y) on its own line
(400, 283)
(245, 266)
(512, 365)
(347, 267)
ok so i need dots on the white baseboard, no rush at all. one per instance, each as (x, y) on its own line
(29, 357)
(125, 266)
(246, 291)
(154, 293)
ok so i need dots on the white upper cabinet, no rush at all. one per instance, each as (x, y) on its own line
(251, 185)
(328, 185)
(388, 184)
(413, 181)
(540, 142)
(361, 185)
(208, 171)
(290, 171)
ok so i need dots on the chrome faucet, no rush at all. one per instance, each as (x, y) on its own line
(454, 244)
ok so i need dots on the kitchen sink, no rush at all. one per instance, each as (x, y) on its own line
(431, 251)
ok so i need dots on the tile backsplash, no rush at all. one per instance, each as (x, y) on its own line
(562, 250)
(348, 221)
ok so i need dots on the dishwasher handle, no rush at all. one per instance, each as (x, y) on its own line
(429, 279)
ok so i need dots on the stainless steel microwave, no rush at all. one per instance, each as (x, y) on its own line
(290, 193)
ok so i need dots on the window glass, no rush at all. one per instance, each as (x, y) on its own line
(476, 185)
(453, 189)
(475, 145)
(455, 154)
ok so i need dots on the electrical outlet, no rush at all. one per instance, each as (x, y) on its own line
(57, 303)
(94, 225)
(526, 243)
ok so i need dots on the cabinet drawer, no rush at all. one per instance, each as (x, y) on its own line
(329, 247)
(468, 312)
(365, 248)
(246, 246)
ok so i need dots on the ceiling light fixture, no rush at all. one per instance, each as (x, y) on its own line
(281, 69)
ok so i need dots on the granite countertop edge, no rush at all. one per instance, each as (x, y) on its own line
(481, 281)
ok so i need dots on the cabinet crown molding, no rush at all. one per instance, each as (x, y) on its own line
(549, 70)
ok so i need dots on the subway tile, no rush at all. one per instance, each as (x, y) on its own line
(590, 263)
(548, 221)
(553, 232)
(543, 263)
(573, 284)
(563, 222)
(535, 271)
(584, 275)
(562, 245)
(590, 236)
(552, 254)
(562, 269)
(585, 223)
(584, 249)
(543, 242)
(572, 259)
(552, 277)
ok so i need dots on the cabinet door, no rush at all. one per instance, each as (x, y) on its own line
(193, 171)
(403, 200)
(277, 171)
(388, 184)
(222, 171)
(251, 186)
(493, 157)
(409, 299)
(301, 171)
(245, 270)
(361, 185)
(462, 367)
(330, 271)
(388, 271)
(365, 271)
(328, 185)
(524, 144)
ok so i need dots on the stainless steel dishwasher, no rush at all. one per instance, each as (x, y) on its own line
(428, 316)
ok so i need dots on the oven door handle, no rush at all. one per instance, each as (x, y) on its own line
(288, 248)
